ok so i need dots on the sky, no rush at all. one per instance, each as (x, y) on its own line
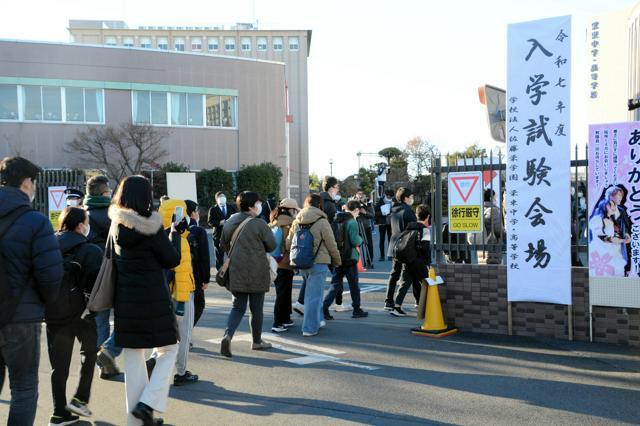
(380, 72)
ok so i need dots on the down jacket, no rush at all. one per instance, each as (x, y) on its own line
(143, 310)
(249, 268)
(183, 284)
(32, 257)
(324, 243)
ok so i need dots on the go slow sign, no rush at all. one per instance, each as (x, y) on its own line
(465, 202)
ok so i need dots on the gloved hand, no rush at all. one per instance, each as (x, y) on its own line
(182, 226)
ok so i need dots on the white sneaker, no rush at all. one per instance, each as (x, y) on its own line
(323, 323)
(307, 334)
(344, 308)
(78, 407)
(298, 308)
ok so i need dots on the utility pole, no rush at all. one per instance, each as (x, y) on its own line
(331, 167)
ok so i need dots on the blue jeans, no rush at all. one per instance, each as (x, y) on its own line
(20, 354)
(315, 278)
(339, 273)
(105, 337)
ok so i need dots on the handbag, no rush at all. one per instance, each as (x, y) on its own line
(273, 267)
(222, 276)
(104, 289)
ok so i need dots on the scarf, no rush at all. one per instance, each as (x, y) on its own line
(97, 201)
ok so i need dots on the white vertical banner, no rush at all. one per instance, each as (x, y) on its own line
(538, 161)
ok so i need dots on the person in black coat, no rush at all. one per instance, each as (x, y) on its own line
(144, 313)
(218, 215)
(401, 216)
(384, 220)
(33, 264)
(82, 261)
(199, 258)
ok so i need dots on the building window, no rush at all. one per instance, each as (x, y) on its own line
(213, 44)
(194, 110)
(8, 102)
(229, 44)
(163, 43)
(127, 42)
(228, 107)
(196, 43)
(51, 104)
(178, 44)
(145, 43)
(261, 44)
(158, 102)
(149, 107)
(111, 41)
(277, 44)
(246, 44)
(83, 105)
(179, 109)
(213, 111)
(294, 43)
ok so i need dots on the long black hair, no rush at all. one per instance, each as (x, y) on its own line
(134, 192)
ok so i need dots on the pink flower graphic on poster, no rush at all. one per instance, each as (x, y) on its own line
(600, 264)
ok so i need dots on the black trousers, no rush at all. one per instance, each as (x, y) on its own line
(60, 339)
(198, 304)
(282, 308)
(219, 253)
(398, 271)
(369, 236)
(384, 230)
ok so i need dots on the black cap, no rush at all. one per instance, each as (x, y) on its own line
(74, 193)
(191, 206)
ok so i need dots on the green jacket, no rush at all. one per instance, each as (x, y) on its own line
(353, 234)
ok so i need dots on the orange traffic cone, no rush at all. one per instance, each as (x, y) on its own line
(361, 268)
(434, 325)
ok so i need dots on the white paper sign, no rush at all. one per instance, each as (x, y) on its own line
(182, 186)
(538, 226)
(465, 202)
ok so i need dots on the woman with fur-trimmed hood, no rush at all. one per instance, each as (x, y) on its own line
(144, 314)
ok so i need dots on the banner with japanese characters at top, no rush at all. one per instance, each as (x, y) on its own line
(538, 217)
(614, 200)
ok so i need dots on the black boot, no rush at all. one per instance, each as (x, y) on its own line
(327, 315)
(144, 413)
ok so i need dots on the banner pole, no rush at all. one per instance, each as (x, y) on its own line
(570, 321)
(509, 320)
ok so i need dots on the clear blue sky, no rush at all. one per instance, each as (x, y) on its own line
(380, 72)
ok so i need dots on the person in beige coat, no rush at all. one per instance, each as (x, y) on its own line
(326, 253)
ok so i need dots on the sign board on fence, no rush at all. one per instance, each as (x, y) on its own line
(182, 186)
(57, 202)
(465, 202)
(614, 214)
(538, 219)
(490, 178)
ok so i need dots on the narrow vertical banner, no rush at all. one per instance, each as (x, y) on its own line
(538, 220)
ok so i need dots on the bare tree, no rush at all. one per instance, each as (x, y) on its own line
(122, 151)
(420, 153)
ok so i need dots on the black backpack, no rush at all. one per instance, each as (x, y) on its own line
(8, 300)
(339, 227)
(406, 248)
(72, 300)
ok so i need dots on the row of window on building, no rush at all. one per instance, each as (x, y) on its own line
(213, 43)
(86, 105)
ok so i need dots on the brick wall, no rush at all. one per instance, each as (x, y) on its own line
(474, 298)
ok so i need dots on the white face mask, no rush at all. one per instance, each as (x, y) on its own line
(337, 197)
(222, 201)
(87, 229)
(72, 203)
(258, 207)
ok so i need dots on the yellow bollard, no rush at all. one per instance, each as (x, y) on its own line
(433, 325)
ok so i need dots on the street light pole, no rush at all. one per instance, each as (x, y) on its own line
(331, 167)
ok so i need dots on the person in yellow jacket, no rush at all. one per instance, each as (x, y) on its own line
(182, 287)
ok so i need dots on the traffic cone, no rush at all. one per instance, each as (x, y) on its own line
(360, 267)
(433, 325)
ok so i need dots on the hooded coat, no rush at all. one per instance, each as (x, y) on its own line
(183, 283)
(143, 310)
(249, 270)
(32, 257)
(401, 216)
(324, 242)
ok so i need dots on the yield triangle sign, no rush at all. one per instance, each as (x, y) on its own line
(57, 195)
(464, 185)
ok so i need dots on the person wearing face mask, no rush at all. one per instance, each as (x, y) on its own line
(330, 206)
(218, 215)
(33, 267)
(383, 220)
(74, 197)
(199, 258)
(82, 261)
(249, 269)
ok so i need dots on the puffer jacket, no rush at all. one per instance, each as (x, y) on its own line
(401, 216)
(32, 257)
(249, 268)
(183, 284)
(324, 243)
(143, 310)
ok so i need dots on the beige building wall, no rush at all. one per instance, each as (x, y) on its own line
(259, 137)
(99, 32)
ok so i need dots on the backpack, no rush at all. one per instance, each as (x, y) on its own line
(71, 300)
(405, 249)
(339, 227)
(301, 254)
(8, 301)
(277, 235)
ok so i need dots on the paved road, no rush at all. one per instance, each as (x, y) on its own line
(373, 371)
